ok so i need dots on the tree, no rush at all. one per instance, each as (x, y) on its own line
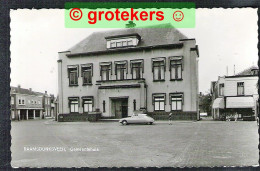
(205, 103)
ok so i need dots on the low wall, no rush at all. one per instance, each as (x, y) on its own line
(175, 116)
(72, 117)
(94, 116)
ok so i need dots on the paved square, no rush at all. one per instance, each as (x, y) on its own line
(185, 143)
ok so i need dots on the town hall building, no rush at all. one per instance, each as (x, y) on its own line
(122, 71)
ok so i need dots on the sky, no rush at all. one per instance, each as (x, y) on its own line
(226, 37)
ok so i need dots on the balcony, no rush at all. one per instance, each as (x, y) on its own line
(127, 83)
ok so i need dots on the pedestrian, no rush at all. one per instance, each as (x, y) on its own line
(170, 118)
(236, 116)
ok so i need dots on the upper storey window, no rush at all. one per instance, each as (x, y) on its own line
(121, 70)
(105, 70)
(73, 75)
(158, 68)
(87, 73)
(121, 41)
(137, 68)
(176, 67)
(240, 88)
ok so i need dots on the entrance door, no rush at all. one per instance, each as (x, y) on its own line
(22, 114)
(120, 107)
(124, 107)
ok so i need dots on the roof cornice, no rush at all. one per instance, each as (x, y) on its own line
(176, 45)
(237, 76)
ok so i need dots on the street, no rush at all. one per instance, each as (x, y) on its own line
(184, 143)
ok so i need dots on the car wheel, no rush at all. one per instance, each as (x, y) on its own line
(124, 122)
(151, 123)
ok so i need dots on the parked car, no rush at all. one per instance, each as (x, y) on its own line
(137, 119)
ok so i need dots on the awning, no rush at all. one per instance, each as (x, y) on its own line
(240, 102)
(218, 103)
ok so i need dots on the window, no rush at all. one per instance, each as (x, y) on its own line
(121, 70)
(87, 104)
(12, 100)
(118, 44)
(119, 41)
(74, 105)
(87, 73)
(130, 43)
(104, 106)
(176, 68)
(31, 101)
(176, 100)
(240, 88)
(39, 102)
(73, 75)
(113, 44)
(124, 43)
(159, 102)
(254, 71)
(21, 101)
(137, 69)
(105, 71)
(221, 89)
(158, 69)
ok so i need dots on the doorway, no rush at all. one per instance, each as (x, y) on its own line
(22, 114)
(119, 107)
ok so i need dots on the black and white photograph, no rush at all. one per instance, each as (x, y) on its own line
(156, 96)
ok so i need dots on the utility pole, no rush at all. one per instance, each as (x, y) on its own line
(227, 70)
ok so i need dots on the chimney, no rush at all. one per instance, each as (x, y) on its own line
(234, 69)
(45, 92)
(30, 89)
(19, 86)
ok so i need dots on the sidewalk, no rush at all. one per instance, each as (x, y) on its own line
(174, 121)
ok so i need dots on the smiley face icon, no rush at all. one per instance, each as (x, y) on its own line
(178, 16)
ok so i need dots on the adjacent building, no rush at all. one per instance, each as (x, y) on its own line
(121, 71)
(27, 104)
(47, 104)
(237, 94)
